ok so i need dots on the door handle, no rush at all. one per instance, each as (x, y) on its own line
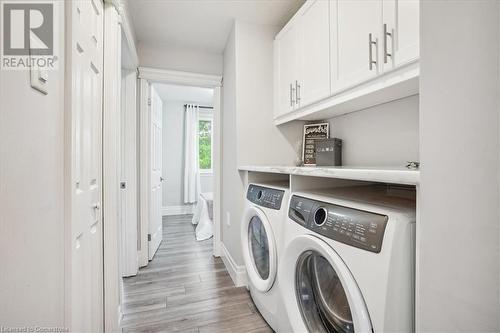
(386, 34)
(297, 92)
(371, 42)
(292, 90)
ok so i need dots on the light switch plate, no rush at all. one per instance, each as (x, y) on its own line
(39, 79)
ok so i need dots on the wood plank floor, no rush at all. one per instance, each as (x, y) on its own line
(185, 289)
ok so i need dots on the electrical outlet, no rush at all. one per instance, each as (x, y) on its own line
(228, 219)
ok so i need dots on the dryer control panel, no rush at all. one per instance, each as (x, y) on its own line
(265, 196)
(354, 227)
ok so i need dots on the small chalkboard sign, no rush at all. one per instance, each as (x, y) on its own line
(312, 132)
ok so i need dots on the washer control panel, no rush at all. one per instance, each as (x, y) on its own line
(358, 228)
(265, 197)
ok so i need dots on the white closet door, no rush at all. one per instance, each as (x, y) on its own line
(86, 157)
(155, 221)
(351, 22)
(314, 53)
(401, 18)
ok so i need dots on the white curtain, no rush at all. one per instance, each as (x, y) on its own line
(191, 167)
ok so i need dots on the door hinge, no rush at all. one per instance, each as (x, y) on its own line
(149, 237)
(149, 101)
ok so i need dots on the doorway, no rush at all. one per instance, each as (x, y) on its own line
(178, 153)
(190, 158)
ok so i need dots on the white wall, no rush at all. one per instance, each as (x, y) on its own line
(232, 182)
(384, 135)
(207, 182)
(248, 133)
(32, 198)
(260, 142)
(180, 59)
(173, 156)
(458, 260)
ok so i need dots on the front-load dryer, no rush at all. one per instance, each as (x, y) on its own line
(349, 263)
(262, 242)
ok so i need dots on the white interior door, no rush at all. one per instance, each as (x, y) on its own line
(155, 221)
(86, 166)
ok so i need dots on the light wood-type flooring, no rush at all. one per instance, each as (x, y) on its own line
(185, 289)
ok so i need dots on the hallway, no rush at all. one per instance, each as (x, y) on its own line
(185, 289)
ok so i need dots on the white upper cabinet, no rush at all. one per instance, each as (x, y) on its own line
(400, 32)
(338, 56)
(355, 27)
(313, 82)
(285, 67)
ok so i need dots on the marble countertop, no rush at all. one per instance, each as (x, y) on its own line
(394, 175)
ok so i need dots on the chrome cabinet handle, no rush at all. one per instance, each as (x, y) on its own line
(297, 92)
(371, 42)
(292, 93)
(386, 53)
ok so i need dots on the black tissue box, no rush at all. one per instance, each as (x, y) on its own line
(329, 152)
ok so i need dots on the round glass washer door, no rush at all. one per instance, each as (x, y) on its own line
(321, 298)
(259, 249)
(327, 297)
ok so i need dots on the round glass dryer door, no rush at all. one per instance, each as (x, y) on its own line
(259, 249)
(320, 295)
(319, 291)
(259, 246)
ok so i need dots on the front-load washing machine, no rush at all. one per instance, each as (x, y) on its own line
(261, 229)
(349, 263)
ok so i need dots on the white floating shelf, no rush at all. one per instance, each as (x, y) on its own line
(402, 176)
(400, 83)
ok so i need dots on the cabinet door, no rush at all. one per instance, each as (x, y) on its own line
(314, 53)
(285, 53)
(401, 18)
(351, 22)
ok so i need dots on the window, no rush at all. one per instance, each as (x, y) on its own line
(205, 145)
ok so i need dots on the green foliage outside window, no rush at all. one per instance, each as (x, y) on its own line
(205, 144)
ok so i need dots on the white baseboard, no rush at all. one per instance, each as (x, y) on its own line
(238, 273)
(177, 210)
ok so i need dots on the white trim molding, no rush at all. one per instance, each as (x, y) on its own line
(128, 30)
(125, 21)
(120, 315)
(178, 77)
(238, 273)
(177, 210)
(144, 168)
(110, 163)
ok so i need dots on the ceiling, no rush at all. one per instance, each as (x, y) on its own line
(203, 24)
(185, 94)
